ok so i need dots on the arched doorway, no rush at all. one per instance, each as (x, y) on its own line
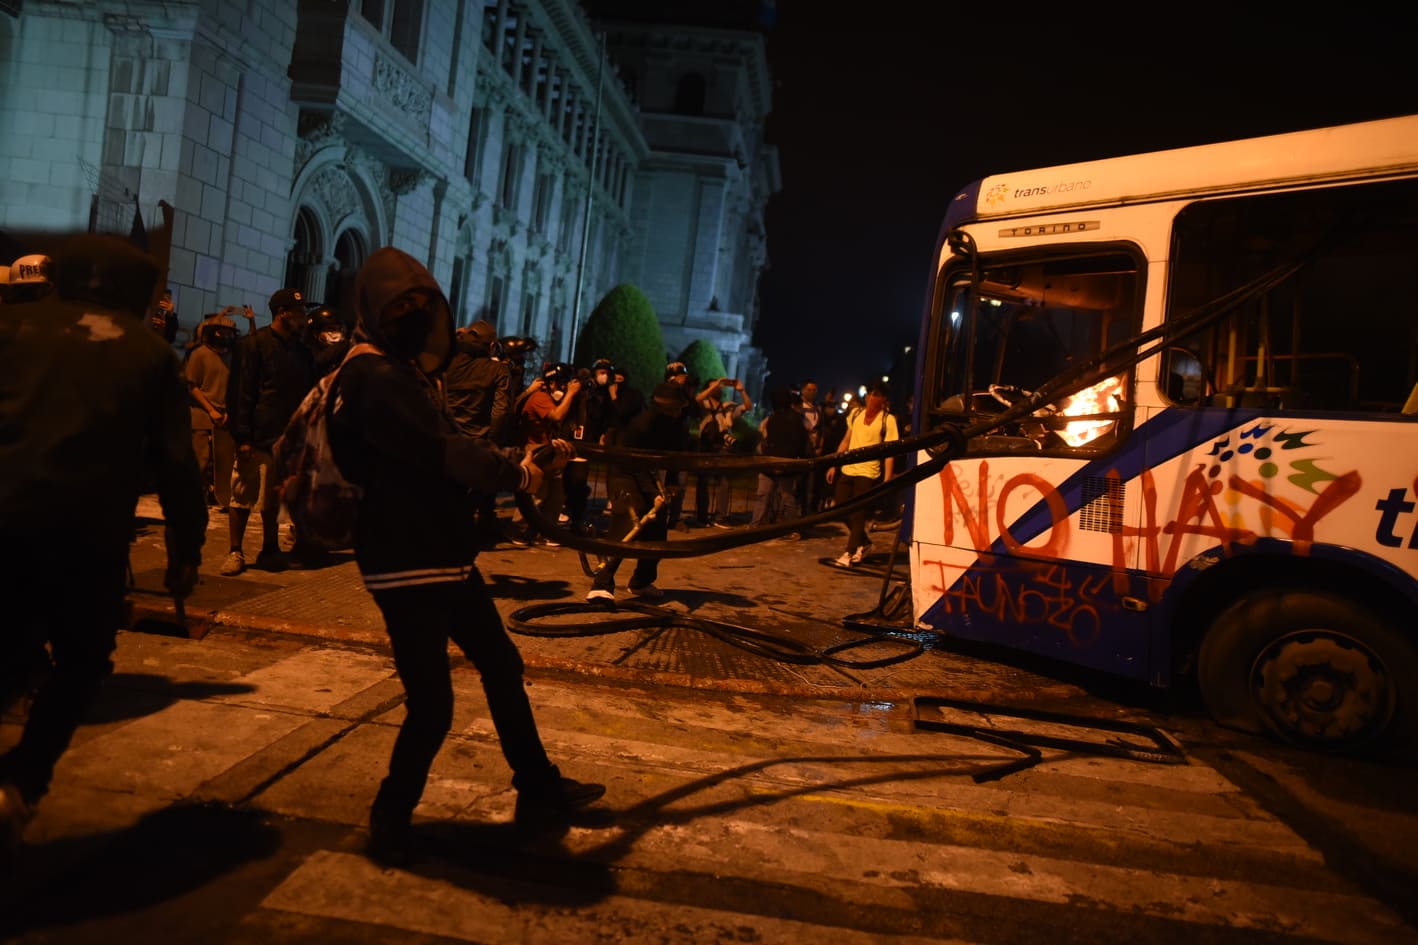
(305, 255)
(350, 254)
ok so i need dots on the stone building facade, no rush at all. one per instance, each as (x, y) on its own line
(533, 159)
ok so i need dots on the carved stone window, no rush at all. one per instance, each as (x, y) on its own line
(511, 177)
(401, 22)
(689, 94)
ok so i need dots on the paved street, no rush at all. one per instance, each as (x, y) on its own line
(219, 791)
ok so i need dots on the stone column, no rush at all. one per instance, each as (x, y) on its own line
(499, 31)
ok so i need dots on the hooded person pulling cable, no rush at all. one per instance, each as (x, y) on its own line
(416, 540)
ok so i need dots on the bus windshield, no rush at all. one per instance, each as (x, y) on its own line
(1022, 325)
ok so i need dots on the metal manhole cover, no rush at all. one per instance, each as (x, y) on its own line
(211, 593)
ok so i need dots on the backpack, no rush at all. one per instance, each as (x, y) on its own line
(321, 502)
(514, 431)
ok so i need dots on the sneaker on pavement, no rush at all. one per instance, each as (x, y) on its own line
(720, 523)
(389, 838)
(309, 557)
(859, 554)
(234, 564)
(845, 561)
(600, 594)
(647, 591)
(791, 536)
(557, 803)
(271, 561)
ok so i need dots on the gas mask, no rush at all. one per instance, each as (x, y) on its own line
(331, 336)
(557, 394)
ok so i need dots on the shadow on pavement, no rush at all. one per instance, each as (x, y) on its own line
(513, 587)
(165, 855)
(512, 863)
(693, 600)
(133, 695)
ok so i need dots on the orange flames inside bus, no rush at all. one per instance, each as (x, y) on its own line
(1103, 397)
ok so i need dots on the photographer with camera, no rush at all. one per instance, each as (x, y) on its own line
(543, 418)
(515, 351)
(716, 435)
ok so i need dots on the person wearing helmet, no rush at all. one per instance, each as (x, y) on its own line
(716, 435)
(328, 339)
(515, 352)
(677, 373)
(479, 394)
(478, 388)
(30, 279)
(543, 418)
(594, 413)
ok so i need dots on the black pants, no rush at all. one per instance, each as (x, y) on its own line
(420, 621)
(628, 504)
(576, 481)
(72, 600)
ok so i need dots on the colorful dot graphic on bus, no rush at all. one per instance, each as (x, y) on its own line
(995, 196)
(1257, 444)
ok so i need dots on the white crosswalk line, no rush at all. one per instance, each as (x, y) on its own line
(341, 886)
(313, 680)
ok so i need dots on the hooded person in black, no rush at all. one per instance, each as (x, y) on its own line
(415, 544)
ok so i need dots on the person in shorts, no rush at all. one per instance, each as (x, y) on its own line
(272, 371)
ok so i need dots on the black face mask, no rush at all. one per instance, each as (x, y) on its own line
(407, 335)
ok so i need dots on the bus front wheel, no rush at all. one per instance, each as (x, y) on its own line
(1314, 668)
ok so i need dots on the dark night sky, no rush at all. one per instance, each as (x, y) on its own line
(879, 123)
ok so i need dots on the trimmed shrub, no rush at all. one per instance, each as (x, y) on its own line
(623, 328)
(703, 361)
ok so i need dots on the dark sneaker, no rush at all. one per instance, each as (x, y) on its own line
(647, 591)
(270, 561)
(556, 804)
(390, 838)
(309, 558)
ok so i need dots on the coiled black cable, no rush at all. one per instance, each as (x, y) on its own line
(613, 619)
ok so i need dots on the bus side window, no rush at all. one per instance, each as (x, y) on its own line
(1184, 379)
(1317, 289)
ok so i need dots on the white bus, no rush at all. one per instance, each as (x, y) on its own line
(1210, 469)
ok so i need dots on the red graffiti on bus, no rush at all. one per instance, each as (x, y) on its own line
(1039, 592)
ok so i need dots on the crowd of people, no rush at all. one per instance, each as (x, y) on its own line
(431, 421)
